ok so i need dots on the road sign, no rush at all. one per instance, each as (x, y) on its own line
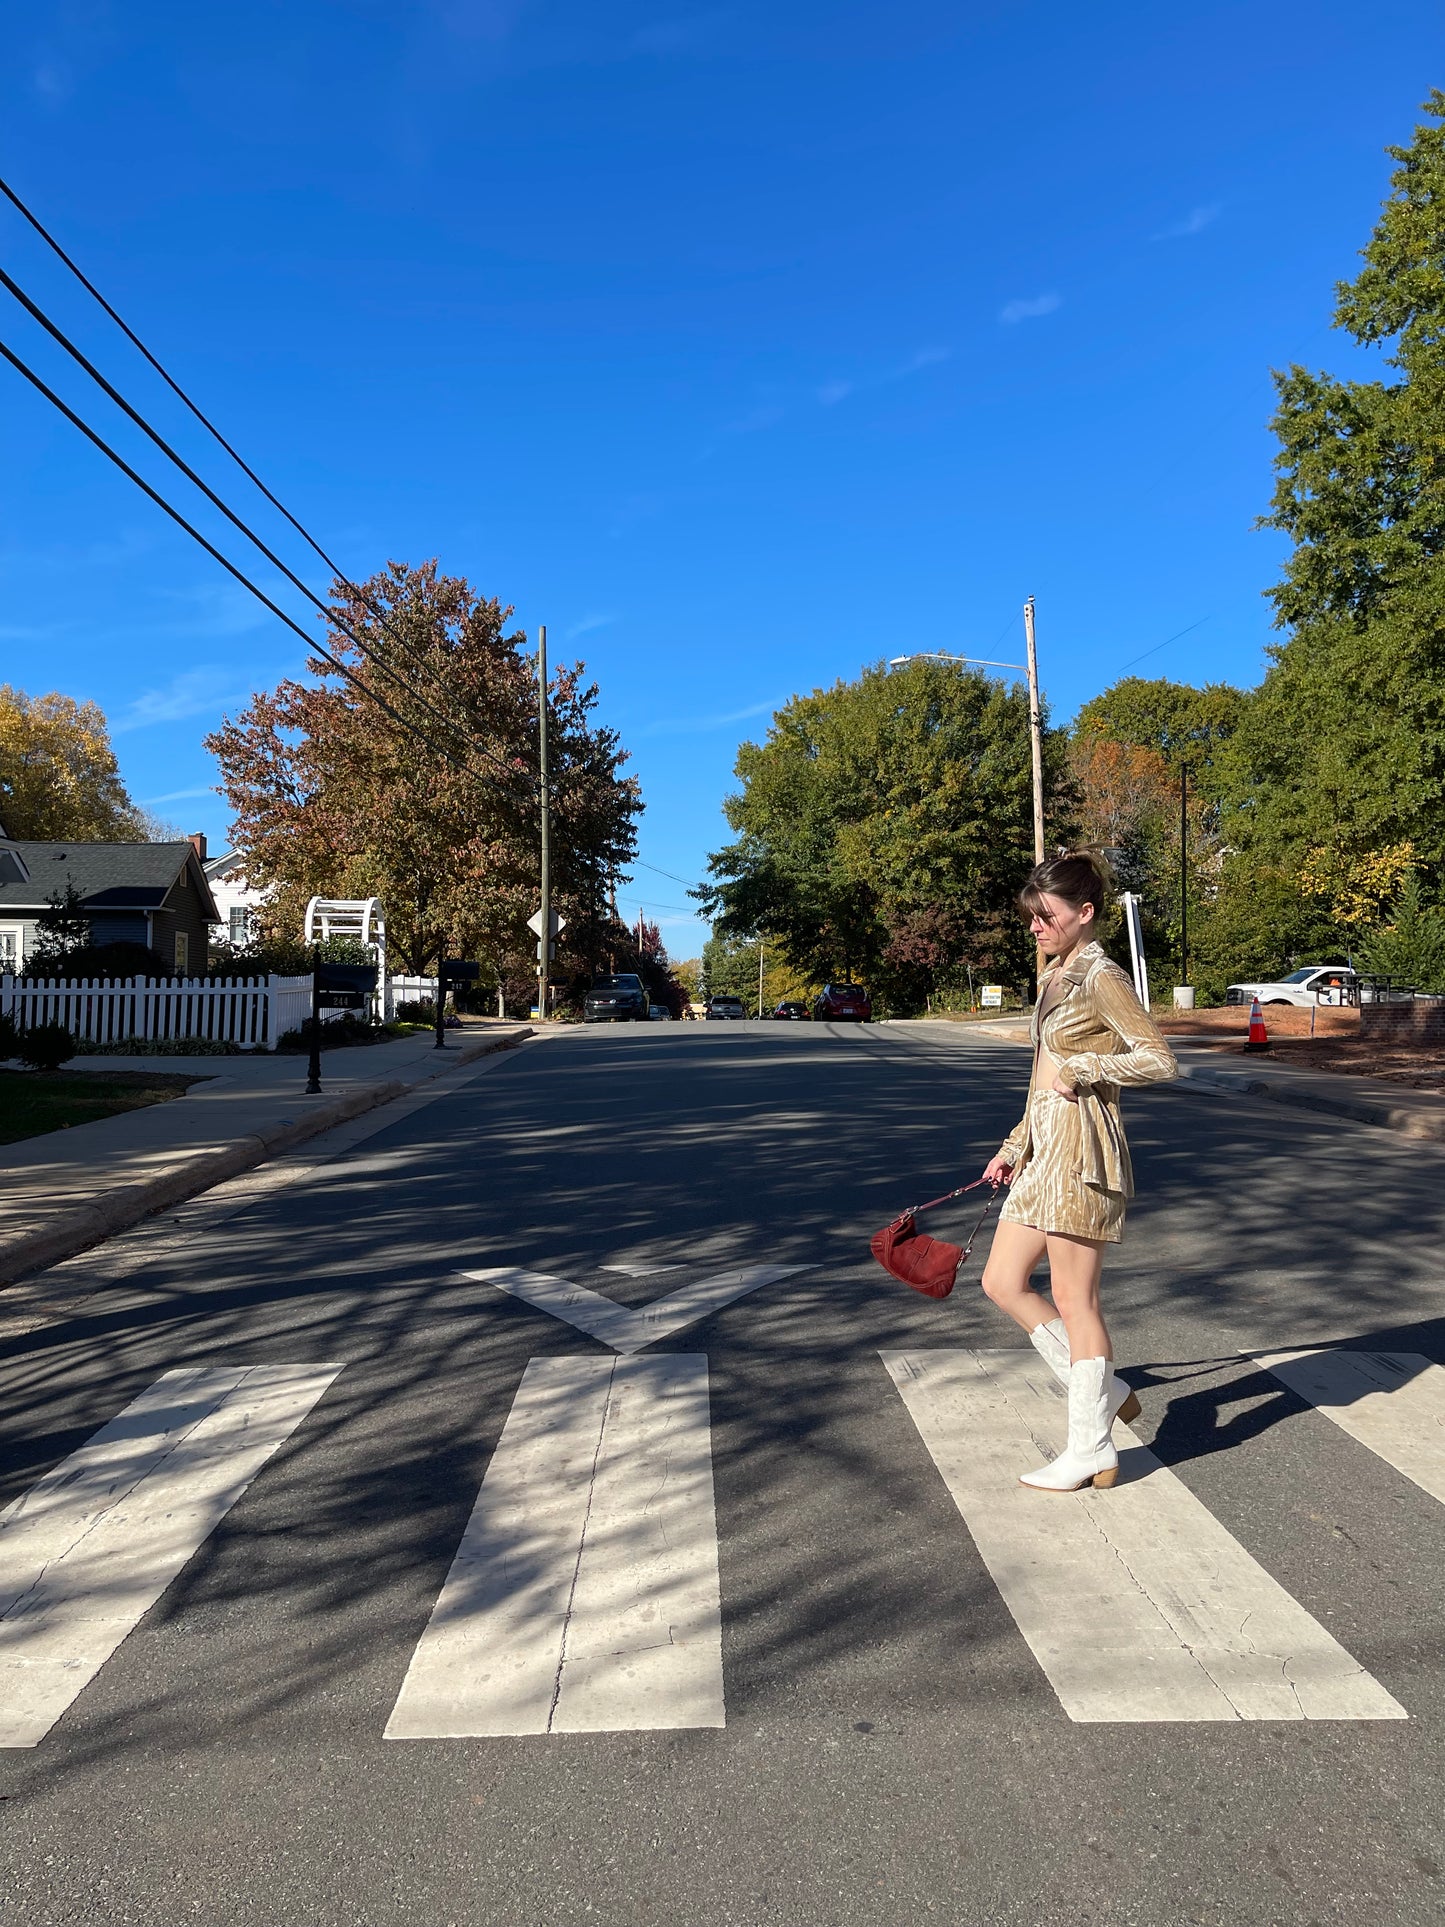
(534, 924)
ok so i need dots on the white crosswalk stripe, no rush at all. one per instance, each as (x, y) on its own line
(1393, 1403)
(94, 1544)
(584, 1595)
(1136, 1602)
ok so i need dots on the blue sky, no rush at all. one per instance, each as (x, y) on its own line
(741, 345)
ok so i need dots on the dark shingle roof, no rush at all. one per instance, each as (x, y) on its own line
(135, 873)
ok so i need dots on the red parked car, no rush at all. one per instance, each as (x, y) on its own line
(843, 1004)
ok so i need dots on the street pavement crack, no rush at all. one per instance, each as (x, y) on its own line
(581, 1550)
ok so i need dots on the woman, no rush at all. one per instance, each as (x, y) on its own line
(1067, 1163)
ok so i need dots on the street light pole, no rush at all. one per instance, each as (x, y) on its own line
(544, 941)
(1036, 730)
(1036, 752)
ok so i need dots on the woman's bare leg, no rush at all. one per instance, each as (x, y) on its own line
(1075, 1265)
(1017, 1249)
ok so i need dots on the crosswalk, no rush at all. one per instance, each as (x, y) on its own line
(584, 1595)
(1136, 1602)
(87, 1551)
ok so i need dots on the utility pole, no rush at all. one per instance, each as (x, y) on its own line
(544, 941)
(762, 941)
(1036, 749)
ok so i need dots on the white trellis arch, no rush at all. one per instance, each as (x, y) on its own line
(361, 918)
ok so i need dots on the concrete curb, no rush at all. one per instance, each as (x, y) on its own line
(1384, 1115)
(90, 1224)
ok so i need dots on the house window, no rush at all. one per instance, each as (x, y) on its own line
(239, 926)
(183, 951)
(12, 948)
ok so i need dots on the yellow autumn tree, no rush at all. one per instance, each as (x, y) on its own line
(1358, 888)
(58, 775)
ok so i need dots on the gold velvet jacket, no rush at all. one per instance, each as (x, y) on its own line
(1102, 1038)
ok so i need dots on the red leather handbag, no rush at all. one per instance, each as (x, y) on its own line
(929, 1265)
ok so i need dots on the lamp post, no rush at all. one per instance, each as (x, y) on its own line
(544, 940)
(1030, 668)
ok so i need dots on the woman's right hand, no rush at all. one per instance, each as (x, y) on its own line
(997, 1171)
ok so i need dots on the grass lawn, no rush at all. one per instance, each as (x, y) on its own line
(32, 1102)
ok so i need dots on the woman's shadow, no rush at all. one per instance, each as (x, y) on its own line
(1224, 1413)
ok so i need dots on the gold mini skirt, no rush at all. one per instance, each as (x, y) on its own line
(1049, 1194)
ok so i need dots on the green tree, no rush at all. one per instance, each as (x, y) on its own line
(884, 826)
(1412, 945)
(1343, 746)
(1185, 725)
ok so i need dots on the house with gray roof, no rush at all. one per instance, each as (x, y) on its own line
(150, 893)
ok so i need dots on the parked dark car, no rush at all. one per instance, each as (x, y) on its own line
(791, 1010)
(725, 1009)
(843, 1004)
(616, 1000)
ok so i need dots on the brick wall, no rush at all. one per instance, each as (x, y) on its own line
(1422, 1021)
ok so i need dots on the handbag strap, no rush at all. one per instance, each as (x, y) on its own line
(960, 1192)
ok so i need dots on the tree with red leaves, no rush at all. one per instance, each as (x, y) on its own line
(420, 786)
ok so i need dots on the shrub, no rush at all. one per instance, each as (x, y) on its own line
(8, 1035)
(417, 1010)
(348, 1028)
(45, 1047)
(115, 961)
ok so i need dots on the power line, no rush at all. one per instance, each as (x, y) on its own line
(120, 401)
(208, 425)
(225, 562)
(1166, 642)
(638, 864)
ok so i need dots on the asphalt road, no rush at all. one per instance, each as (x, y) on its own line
(894, 1751)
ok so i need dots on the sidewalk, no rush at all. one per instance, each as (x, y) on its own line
(1364, 1100)
(69, 1189)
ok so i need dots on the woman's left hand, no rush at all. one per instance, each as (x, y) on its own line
(1063, 1090)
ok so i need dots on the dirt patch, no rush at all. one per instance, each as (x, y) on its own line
(1336, 1045)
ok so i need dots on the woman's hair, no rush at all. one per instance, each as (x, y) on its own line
(1073, 875)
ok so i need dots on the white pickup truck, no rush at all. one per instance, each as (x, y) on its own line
(1310, 984)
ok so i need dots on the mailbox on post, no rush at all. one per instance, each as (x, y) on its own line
(344, 986)
(451, 970)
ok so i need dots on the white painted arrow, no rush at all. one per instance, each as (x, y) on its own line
(625, 1330)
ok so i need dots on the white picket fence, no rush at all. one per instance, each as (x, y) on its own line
(252, 1014)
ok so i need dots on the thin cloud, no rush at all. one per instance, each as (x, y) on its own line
(587, 625)
(1027, 309)
(1194, 222)
(922, 358)
(687, 725)
(178, 796)
(832, 392)
(196, 692)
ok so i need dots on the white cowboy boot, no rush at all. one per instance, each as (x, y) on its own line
(1051, 1342)
(1089, 1458)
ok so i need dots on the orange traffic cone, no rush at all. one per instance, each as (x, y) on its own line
(1258, 1035)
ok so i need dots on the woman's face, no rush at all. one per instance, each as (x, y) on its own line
(1057, 926)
